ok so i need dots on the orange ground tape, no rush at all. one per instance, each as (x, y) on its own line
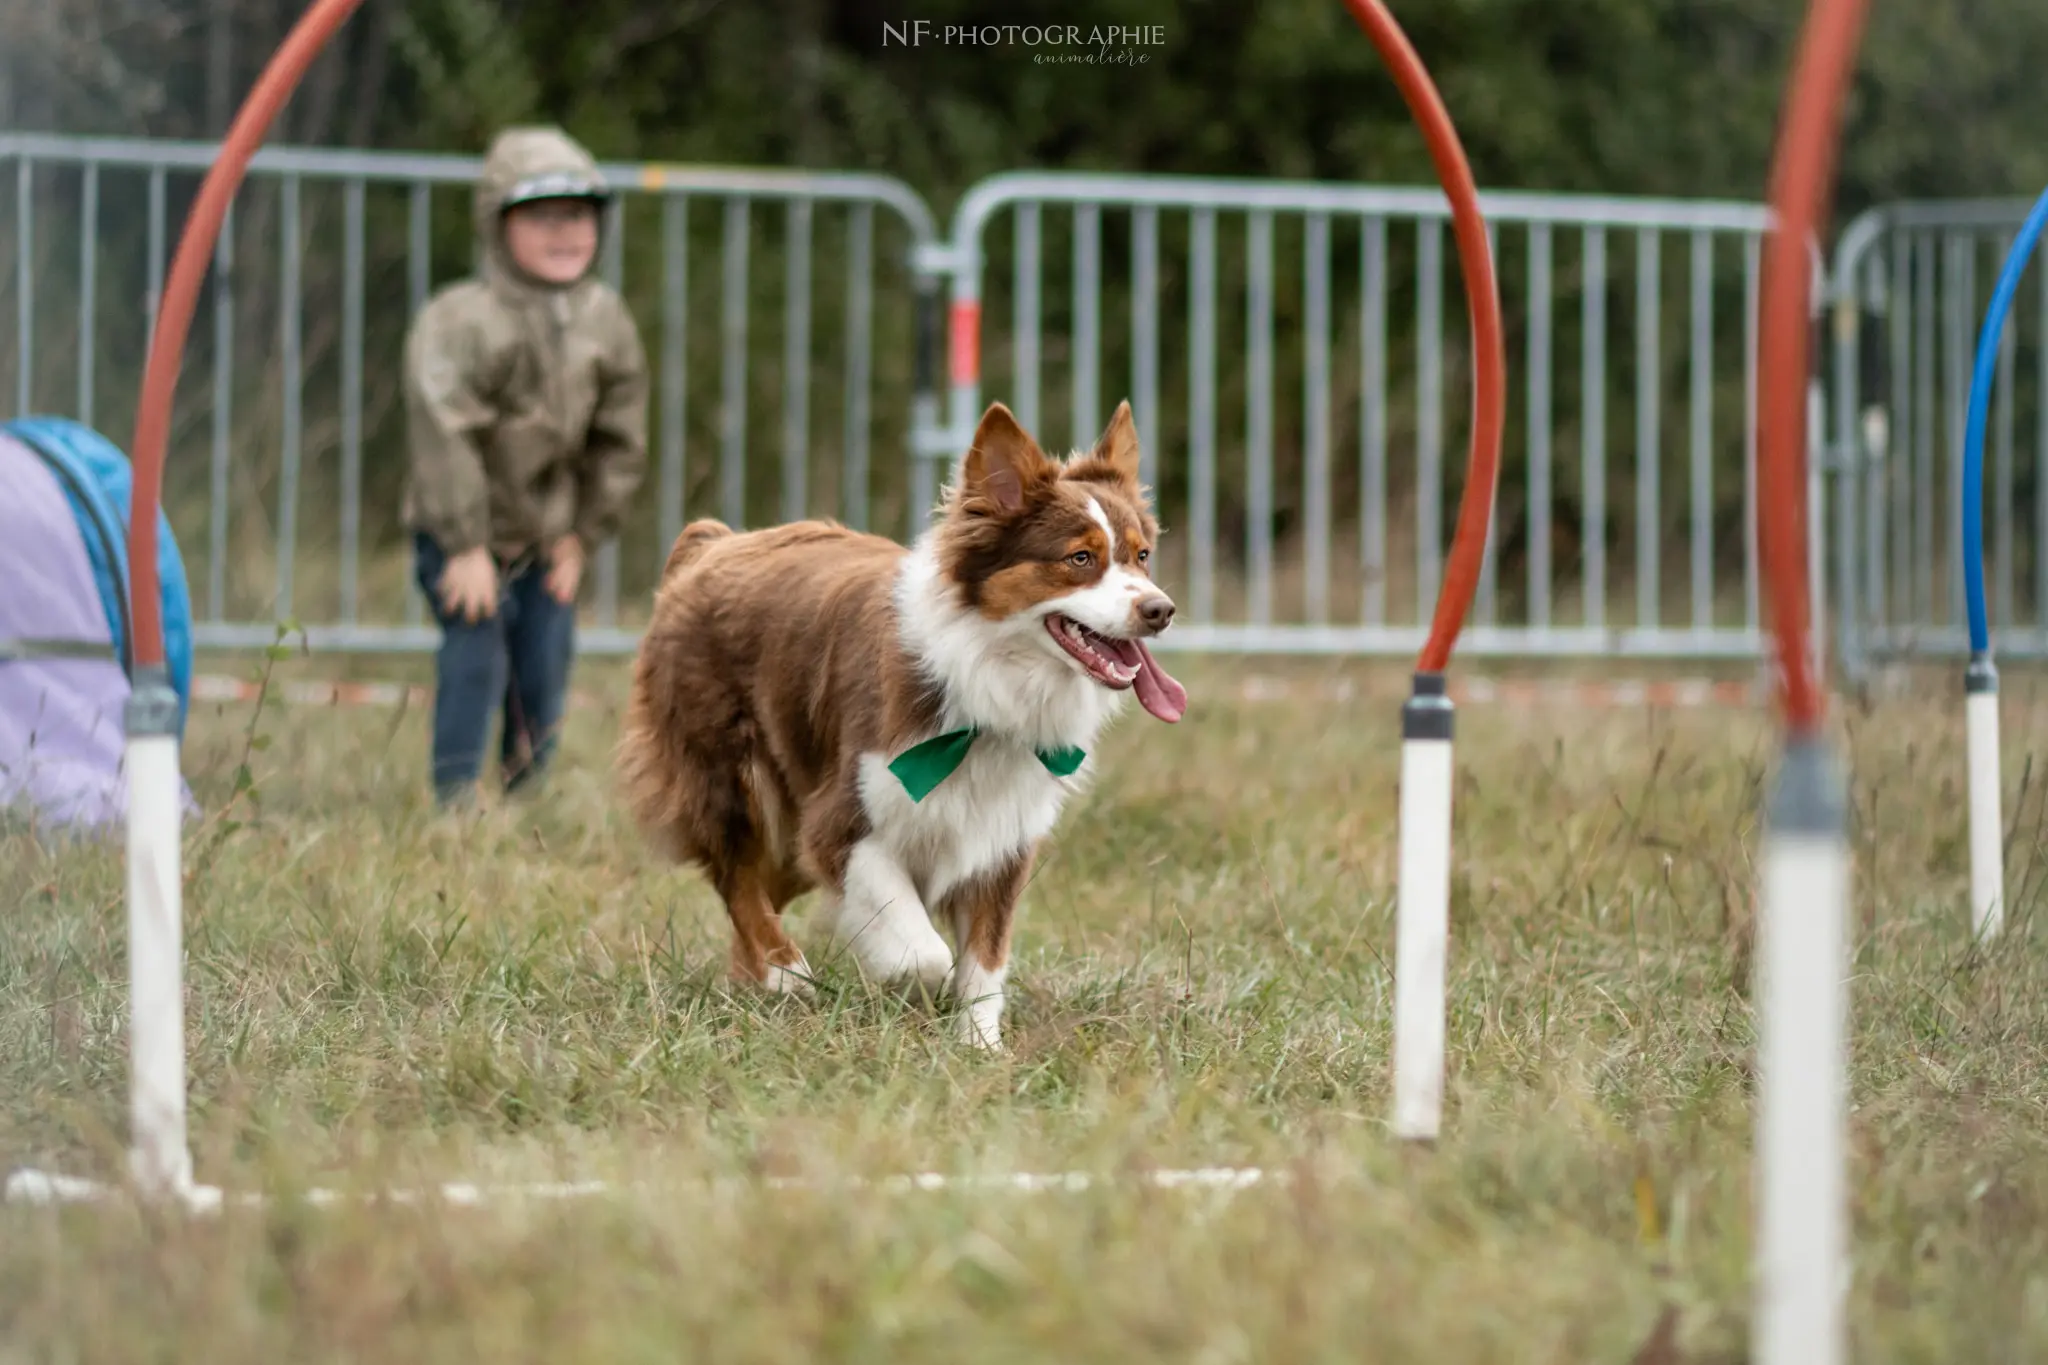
(1659, 694)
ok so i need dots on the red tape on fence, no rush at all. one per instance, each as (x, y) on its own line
(1489, 350)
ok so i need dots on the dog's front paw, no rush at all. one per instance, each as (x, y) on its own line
(794, 979)
(917, 966)
(896, 950)
(979, 1022)
(980, 1030)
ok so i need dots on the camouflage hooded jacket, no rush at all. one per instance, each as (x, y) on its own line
(526, 404)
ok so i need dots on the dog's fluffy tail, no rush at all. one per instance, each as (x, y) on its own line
(650, 761)
(691, 543)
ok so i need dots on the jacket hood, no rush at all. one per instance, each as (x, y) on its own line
(523, 164)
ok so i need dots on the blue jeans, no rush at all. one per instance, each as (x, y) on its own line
(516, 661)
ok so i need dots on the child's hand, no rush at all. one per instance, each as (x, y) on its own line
(565, 568)
(469, 585)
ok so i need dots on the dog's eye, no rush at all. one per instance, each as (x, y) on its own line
(1144, 556)
(1081, 559)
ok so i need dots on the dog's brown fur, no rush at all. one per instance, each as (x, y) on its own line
(732, 758)
(774, 661)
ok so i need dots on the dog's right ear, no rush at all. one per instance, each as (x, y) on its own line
(1003, 464)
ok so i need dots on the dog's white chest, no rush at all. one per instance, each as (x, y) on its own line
(997, 802)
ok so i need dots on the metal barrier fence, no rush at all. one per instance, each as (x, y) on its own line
(1297, 518)
(1911, 284)
(1311, 530)
(293, 403)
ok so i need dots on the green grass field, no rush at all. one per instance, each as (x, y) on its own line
(380, 997)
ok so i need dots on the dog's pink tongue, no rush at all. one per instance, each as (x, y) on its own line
(1157, 691)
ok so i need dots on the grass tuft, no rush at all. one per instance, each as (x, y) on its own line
(380, 996)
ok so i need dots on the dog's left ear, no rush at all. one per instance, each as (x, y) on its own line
(1002, 465)
(1117, 449)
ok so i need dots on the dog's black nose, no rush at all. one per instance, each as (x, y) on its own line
(1156, 612)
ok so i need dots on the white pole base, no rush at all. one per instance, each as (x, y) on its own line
(159, 1159)
(1802, 1232)
(1987, 819)
(1422, 910)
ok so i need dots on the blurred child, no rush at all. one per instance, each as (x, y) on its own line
(526, 406)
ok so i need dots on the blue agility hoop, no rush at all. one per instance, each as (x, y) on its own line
(1973, 433)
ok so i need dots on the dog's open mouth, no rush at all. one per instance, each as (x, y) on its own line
(1120, 664)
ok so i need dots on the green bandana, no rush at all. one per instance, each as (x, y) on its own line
(924, 766)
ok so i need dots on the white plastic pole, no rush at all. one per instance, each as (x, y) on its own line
(1802, 1228)
(159, 1158)
(1987, 820)
(1422, 911)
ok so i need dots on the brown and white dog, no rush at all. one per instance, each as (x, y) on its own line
(817, 708)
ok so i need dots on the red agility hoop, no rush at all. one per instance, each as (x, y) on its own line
(160, 1159)
(1801, 1252)
(160, 1156)
(1802, 193)
(1489, 349)
(181, 295)
(1422, 896)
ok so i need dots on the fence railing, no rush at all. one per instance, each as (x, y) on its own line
(291, 383)
(1307, 375)
(1292, 351)
(1911, 285)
